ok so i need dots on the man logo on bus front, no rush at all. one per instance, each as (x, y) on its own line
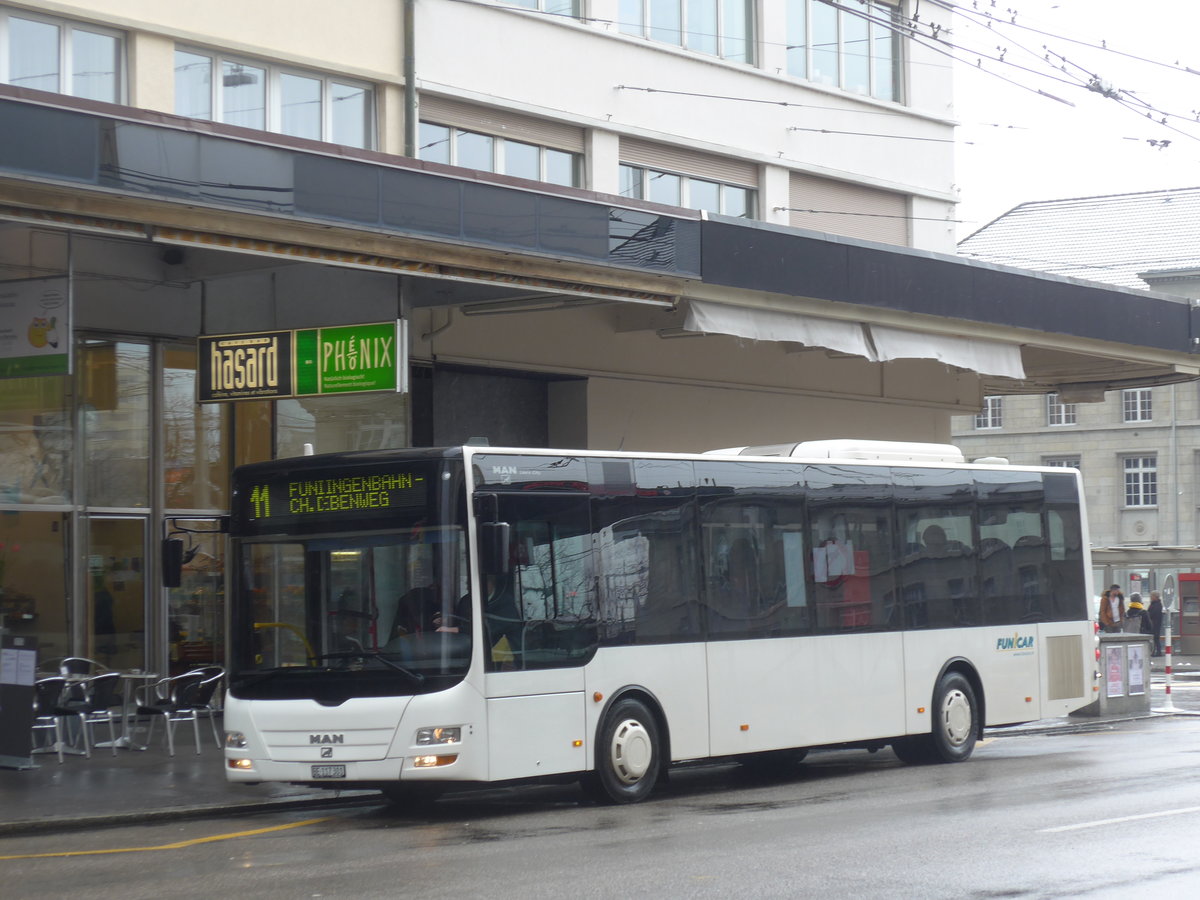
(326, 753)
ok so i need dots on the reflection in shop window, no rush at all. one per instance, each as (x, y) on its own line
(196, 609)
(33, 584)
(195, 438)
(115, 395)
(332, 424)
(35, 441)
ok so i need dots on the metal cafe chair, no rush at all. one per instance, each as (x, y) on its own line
(80, 665)
(46, 694)
(206, 700)
(92, 702)
(173, 701)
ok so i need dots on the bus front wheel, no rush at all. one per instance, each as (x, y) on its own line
(956, 719)
(627, 754)
(954, 729)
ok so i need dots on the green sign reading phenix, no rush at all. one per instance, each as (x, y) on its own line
(349, 359)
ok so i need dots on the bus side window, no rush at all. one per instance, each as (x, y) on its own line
(543, 613)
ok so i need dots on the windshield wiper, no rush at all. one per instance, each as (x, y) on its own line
(372, 654)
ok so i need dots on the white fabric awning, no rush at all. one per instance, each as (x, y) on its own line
(770, 325)
(985, 357)
(884, 344)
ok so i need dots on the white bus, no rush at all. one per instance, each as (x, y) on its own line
(410, 619)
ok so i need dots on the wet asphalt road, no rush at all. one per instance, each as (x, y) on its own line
(1100, 814)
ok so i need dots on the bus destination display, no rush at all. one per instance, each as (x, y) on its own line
(330, 497)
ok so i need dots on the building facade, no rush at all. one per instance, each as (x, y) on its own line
(664, 226)
(1138, 447)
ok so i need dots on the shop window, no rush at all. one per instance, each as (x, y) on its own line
(332, 424)
(270, 98)
(49, 54)
(195, 438)
(34, 598)
(115, 395)
(35, 442)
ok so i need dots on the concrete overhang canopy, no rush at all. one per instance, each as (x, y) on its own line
(489, 240)
(1074, 336)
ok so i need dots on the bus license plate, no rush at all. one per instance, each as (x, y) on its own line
(328, 771)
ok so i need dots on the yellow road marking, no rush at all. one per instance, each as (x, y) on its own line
(178, 845)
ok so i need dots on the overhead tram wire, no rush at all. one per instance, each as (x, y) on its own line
(985, 17)
(1094, 81)
(834, 212)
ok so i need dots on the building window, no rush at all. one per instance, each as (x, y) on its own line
(687, 191)
(473, 150)
(854, 45)
(1141, 481)
(553, 7)
(61, 56)
(1059, 413)
(1136, 405)
(1064, 462)
(270, 98)
(992, 414)
(721, 28)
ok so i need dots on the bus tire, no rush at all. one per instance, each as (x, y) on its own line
(913, 749)
(628, 753)
(955, 719)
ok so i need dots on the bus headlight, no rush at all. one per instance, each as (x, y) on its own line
(442, 734)
(235, 740)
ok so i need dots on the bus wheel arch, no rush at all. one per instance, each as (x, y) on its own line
(632, 748)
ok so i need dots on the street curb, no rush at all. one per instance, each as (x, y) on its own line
(183, 813)
(1078, 725)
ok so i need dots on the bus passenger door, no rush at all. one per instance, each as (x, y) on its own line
(539, 631)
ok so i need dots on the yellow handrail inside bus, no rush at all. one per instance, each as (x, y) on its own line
(312, 656)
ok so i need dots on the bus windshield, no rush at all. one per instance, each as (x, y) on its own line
(388, 611)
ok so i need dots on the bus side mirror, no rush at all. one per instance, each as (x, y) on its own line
(494, 538)
(172, 562)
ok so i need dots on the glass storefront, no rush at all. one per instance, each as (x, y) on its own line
(35, 511)
(97, 468)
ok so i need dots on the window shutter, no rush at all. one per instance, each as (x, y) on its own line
(683, 161)
(873, 215)
(501, 123)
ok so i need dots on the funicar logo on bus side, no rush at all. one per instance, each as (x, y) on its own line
(1016, 642)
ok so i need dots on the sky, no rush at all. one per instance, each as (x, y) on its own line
(1015, 145)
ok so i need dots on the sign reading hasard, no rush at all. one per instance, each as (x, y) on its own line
(244, 366)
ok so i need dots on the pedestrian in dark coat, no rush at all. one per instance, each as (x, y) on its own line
(1154, 621)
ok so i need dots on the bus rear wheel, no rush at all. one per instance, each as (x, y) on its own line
(627, 754)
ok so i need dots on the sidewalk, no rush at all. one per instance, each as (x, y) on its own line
(144, 786)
